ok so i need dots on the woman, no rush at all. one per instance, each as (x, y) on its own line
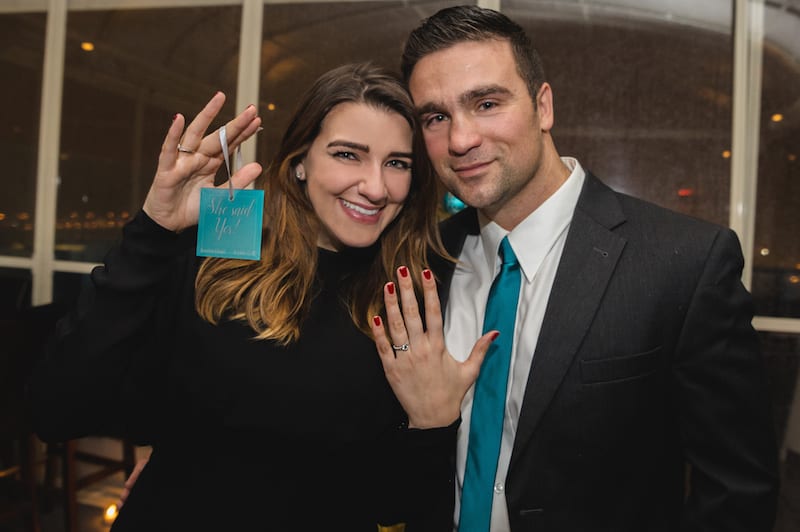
(256, 382)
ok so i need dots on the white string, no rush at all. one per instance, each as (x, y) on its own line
(223, 140)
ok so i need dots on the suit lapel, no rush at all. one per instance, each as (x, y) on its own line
(454, 231)
(587, 263)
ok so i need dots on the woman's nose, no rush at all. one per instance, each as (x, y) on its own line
(373, 185)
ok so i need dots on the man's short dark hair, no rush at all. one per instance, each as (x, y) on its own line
(454, 25)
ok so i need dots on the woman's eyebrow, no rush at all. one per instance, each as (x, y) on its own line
(349, 144)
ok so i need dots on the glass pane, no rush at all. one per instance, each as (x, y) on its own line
(302, 41)
(642, 94)
(15, 290)
(782, 358)
(776, 257)
(127, 72)
(21, 58)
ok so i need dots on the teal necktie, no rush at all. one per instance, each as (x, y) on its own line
(489, 402)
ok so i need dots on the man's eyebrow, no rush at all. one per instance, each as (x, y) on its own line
(428, 108)
(483, 92)
(349, 144)
(466, 97)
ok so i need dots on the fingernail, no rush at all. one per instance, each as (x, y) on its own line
(174, 116)
(427, 274)
(403, 271)
(377, 321)
(259, 129)
(494, 335)
(390, 288)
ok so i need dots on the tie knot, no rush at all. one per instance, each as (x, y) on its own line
(507, 256)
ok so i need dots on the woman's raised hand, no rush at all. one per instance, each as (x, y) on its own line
(174, 197)
(427, 380)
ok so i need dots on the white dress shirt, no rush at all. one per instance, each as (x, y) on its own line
(537, 242)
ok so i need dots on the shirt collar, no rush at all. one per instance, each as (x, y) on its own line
(533, 238)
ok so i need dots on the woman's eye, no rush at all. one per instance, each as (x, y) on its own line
(399, 164)
(346, 155)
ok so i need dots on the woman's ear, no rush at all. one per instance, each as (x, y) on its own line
(300, 172)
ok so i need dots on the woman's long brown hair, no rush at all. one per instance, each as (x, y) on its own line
(274, 295)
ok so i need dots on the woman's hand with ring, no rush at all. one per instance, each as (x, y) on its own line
(429, 383)
(189, 160)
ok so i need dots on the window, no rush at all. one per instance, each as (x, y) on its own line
(21, 58)
(643, 100)
(301, 41)
(776, 253)
(126, 74)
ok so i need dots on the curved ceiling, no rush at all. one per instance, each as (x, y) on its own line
(781, 17)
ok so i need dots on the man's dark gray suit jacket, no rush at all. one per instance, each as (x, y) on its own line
(646, 407)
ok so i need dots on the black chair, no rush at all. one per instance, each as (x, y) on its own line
(18, 497)
(69, 456)
(62, 459)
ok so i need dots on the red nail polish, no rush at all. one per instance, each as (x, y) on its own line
(403, 271)
(427, 274)
(390, 288)
(174, 116)
(377, 321)
(495, 335)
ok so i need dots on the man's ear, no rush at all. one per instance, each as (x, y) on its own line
(544, 107)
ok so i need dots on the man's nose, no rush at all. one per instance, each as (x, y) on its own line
(464, 135)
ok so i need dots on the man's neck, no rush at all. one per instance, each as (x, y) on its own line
(548, 179)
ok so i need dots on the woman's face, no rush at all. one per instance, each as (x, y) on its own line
(358, 173)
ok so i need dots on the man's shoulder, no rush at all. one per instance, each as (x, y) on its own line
(647, 225)
(640, 211)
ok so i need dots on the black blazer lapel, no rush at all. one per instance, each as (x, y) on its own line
(454, 231)
(587, 264)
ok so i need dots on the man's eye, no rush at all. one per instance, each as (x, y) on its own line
(487, 105)
(435, 119)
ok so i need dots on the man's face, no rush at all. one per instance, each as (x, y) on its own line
(483, 135)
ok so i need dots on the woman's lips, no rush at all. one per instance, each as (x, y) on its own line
(360, 212)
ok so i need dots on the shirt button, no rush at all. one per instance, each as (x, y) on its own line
(498, 488)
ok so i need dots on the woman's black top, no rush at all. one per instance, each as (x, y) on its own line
(246, 434)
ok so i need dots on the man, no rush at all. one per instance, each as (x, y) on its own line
(636, 399)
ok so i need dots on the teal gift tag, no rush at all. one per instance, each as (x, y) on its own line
(230, 227)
